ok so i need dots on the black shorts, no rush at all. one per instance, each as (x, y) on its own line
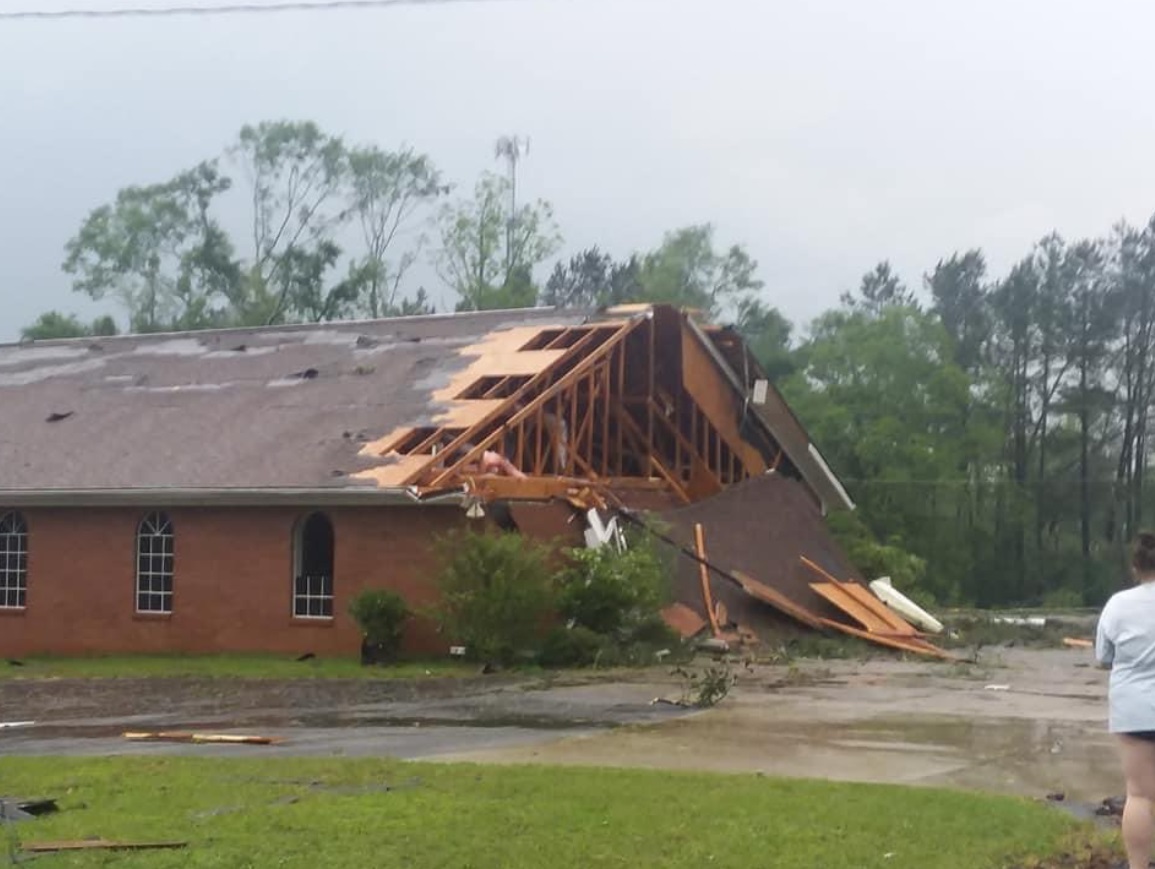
(1145, 735)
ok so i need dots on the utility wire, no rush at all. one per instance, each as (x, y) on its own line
(228, 9)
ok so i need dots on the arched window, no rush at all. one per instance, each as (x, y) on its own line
(313, 567)
(154, 563)
(13, 561)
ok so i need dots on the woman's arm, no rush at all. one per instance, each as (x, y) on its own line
(1104, 645)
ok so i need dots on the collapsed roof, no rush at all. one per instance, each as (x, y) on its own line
(526, 403)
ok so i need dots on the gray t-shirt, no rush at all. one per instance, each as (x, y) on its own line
(1125, 641)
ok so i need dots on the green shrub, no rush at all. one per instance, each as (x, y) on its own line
(497, 593)
(653, 631)
(571, 647)
(873, 559)
(381, 615)
(610, 592)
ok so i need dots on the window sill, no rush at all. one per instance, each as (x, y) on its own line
(151, 617)
(12, 610)
(311, 621)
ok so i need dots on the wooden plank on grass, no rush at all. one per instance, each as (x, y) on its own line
(838, 596)
(898, 625)
(96, 845)
(184, 736)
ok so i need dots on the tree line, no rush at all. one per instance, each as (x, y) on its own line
(992, 429)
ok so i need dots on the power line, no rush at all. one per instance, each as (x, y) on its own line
(229, 9)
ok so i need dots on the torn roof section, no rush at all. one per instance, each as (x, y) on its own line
(500, 402)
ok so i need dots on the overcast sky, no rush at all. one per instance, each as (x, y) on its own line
(824, 136)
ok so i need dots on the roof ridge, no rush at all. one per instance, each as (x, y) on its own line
(288, 327)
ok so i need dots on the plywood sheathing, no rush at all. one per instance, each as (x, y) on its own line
(717, 399)
(498, 354)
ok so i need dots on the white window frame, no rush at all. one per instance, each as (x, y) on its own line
(155, 585)
(13, 560)
(310, 592)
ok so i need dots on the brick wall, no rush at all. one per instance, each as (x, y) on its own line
(232, 587)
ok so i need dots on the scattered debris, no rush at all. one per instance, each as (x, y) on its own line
(796, 568)
(96, 845)
(183, 736)
(704, 578)
(904, 606)
(57, 417)
(17, 809)
(708, 687)
(240, 348)
(996, 687)
(1021, 621)
(714, 644)
(8, 725)
(1077, 643)
(307, 374)
(1111, 807)
(683, 620)
(1057, 797)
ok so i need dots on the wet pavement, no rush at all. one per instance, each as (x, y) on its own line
(885, 721)
(1027, 722)
(410, 727)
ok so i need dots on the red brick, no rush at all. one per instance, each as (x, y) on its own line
(232, 586)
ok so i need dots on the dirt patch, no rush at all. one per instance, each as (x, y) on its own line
(193, 697)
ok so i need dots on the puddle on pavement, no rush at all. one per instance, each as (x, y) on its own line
(1015, 756)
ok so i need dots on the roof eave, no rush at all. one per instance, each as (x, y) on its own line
(228, 497)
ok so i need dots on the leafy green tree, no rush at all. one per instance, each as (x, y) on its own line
(386, 192)
(880, 289)
(885, 400)
(687, 271)
(296, 173)
(960, 293)
(592, 279)
(156, 250)
(767, 333)
(487, 256)
(54, 324)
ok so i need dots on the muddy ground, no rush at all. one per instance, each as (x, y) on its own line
(1020, 721)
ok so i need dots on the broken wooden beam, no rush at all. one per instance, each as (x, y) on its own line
(96, 845)
(704, 578)
(185, 736)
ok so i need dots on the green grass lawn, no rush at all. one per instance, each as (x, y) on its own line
(225, 666)
(339, 813)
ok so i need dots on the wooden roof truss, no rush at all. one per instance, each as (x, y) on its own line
(625, 403)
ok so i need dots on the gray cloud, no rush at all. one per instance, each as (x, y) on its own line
(823, 135)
